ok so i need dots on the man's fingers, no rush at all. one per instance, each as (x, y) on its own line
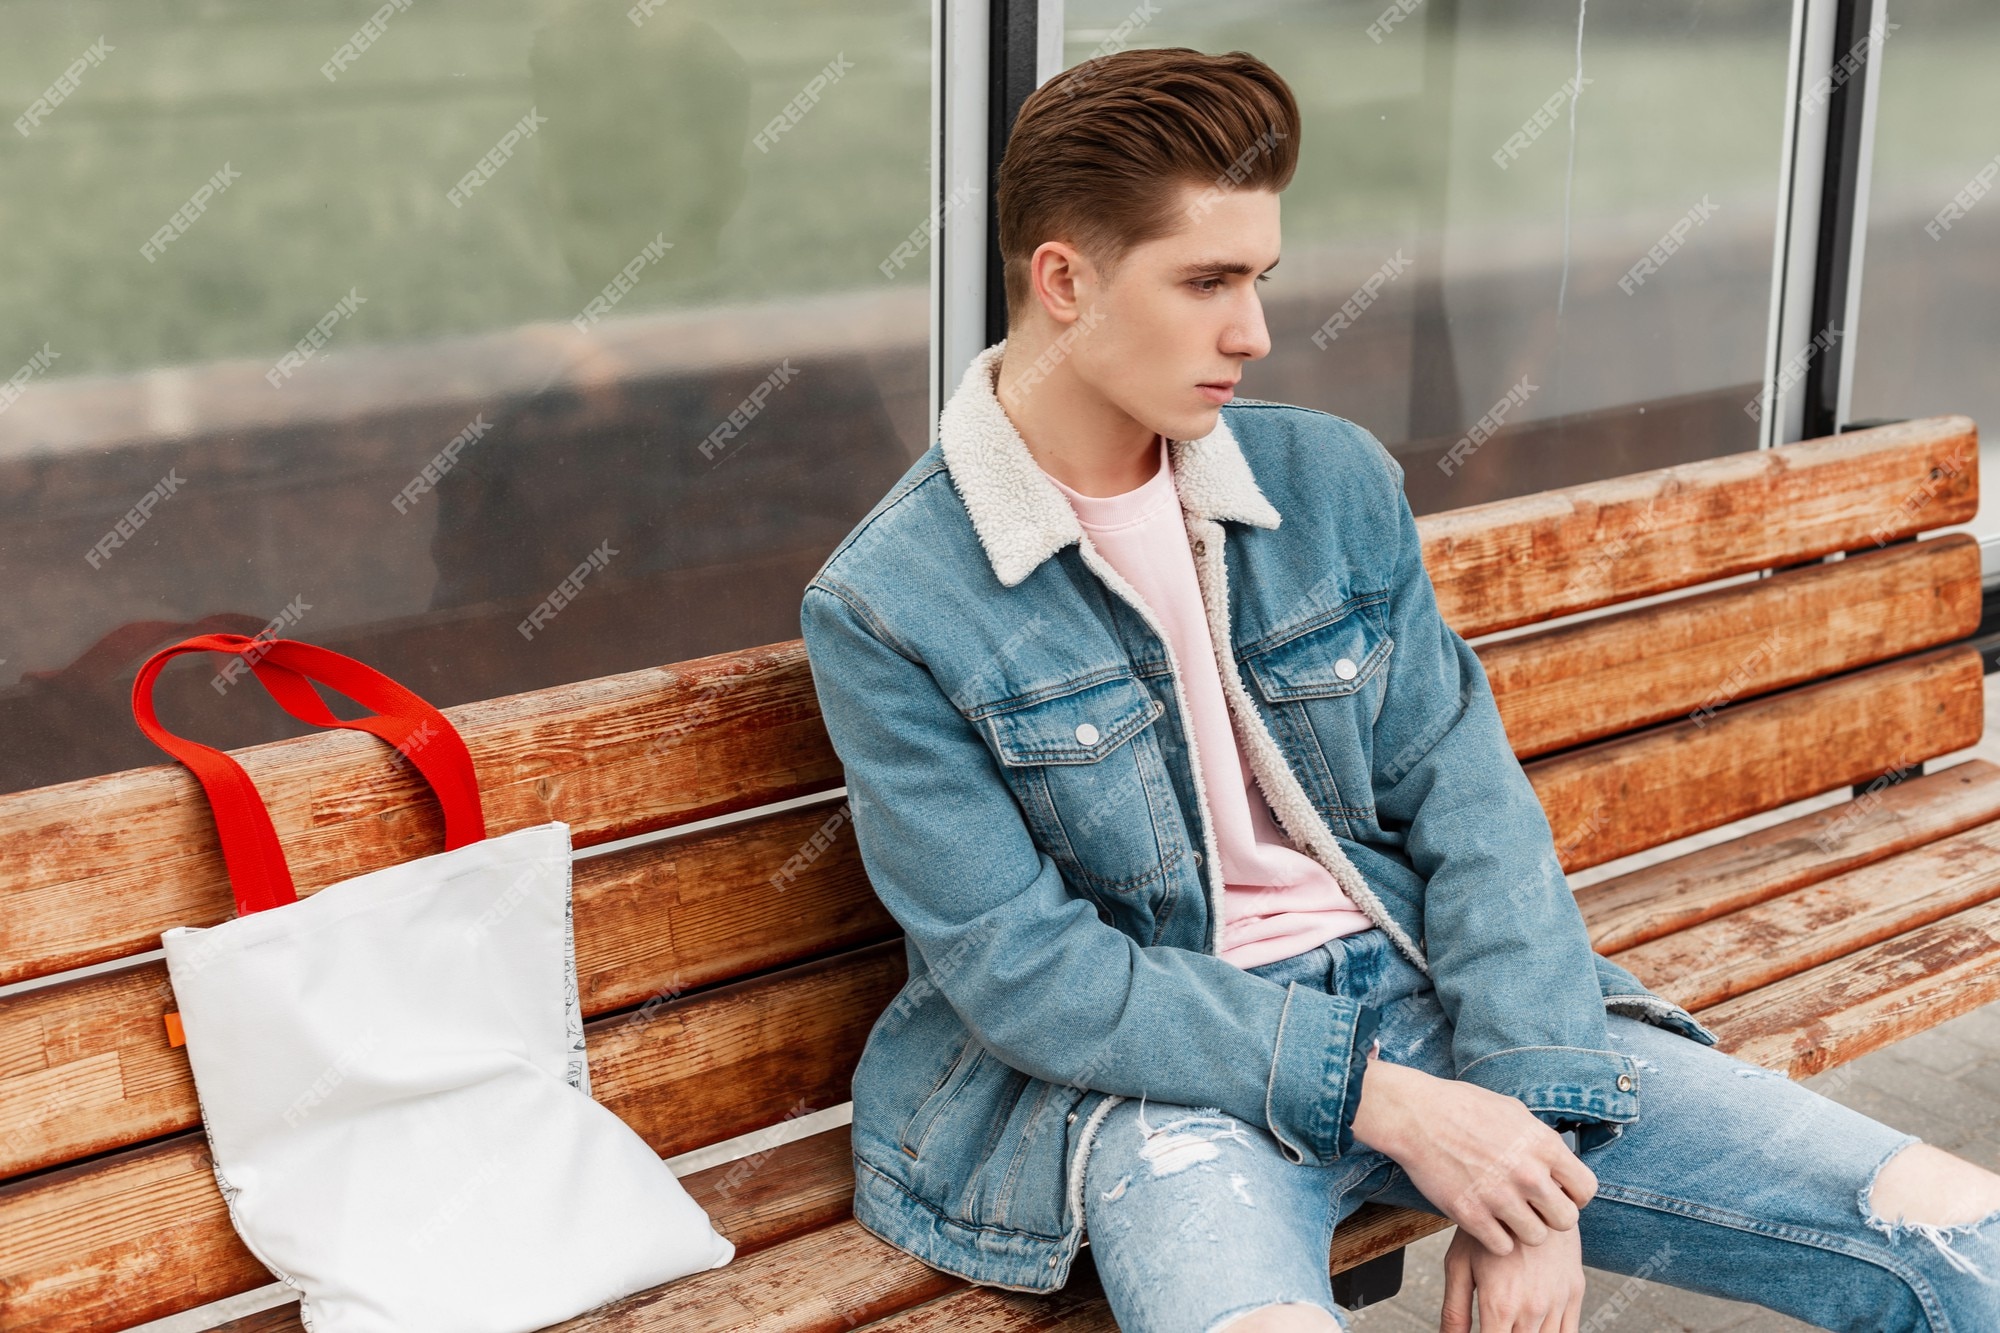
(1456, 1316)
(1578, 1181)
(1488, 1231)
(1522, 1221)
(1555, 1207)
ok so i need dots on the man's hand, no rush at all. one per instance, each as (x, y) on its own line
(1480, 1156)
(1534, 1289)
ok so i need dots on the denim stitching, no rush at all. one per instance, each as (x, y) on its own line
(1886, 1259)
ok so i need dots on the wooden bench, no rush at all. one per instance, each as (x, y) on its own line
(732, 972)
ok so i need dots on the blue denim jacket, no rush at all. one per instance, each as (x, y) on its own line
(1028, 805)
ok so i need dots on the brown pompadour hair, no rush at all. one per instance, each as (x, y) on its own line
(1098, 150)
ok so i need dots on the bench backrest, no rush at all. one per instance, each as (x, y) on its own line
(732, 971)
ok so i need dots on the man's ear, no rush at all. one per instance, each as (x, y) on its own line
(1057, 272)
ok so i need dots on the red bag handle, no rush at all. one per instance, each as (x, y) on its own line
(287, 668)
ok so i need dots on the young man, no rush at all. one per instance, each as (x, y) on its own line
(1228, 906)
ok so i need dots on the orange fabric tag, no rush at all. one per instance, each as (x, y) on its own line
(175, 1037)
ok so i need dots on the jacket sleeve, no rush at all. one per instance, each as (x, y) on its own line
(1029, 967)
(1509, 953)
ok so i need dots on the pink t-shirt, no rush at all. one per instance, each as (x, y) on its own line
(1277, 902)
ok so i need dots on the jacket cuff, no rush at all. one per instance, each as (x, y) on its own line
(1575, 1084)
(1315, 1084)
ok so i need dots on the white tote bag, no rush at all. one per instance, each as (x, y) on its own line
(391, 1071)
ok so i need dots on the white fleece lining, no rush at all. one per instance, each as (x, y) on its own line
(1281, 787)
(1212, 862)
(1020, 516)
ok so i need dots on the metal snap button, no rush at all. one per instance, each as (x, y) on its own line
(1345, 668)
(1625, 1082)
(1070, 1119)
(1086, 734)
(1197, 858)
(1052, 1261)
(1200, 547)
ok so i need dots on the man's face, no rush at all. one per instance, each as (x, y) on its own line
(1182, 312)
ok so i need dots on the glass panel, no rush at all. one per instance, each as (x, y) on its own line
(1930, 311)
(498, 343)
(1450, 257)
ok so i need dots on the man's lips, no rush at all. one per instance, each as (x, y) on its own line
(1218, 391)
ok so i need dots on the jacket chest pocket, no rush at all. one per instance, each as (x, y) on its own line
(1087, 768)
(1322, 686)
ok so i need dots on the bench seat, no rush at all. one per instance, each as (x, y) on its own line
(732, 967)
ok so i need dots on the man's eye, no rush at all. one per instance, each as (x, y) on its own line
(1206, 285)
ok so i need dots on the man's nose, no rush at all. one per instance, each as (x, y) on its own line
(1247, 335)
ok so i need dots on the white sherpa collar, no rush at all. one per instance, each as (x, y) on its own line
(1020, 516)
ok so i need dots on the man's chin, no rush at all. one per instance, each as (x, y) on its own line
(1194, 425)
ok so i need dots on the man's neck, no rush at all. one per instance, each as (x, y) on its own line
(1073, 432)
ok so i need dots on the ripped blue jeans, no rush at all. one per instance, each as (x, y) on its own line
(1734, 1180)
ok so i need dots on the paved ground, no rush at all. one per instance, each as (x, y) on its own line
(1943, 1085)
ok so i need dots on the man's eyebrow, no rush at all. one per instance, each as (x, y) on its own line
(1220, 266)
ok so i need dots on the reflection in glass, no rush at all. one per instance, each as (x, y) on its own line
(1930, 314)
(500, 344)
(1461, 259)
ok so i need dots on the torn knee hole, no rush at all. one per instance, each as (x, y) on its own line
(1921, 1185)
(1922, 1191)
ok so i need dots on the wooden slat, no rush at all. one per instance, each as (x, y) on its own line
(144, 1235)
(1595, 678)
(1840, 1011)
(903, 1295)
(85, 1065)
(96, 869)
(1735, 954)
(1079, 1307)
(749, 1055)
(1629, 793)
(827, 1281)
(1515, 562)
(1667, 896)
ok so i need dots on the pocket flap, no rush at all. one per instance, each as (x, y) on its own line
(1080, 727)
(1336, 656)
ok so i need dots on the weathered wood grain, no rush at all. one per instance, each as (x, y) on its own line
(1841, 1010)
(98, 868)
(1671, 895)
(1626, 794)
(1756, 946)
(903, 1296)
(1689, 655)
(1536, 557)
(145, 1234)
